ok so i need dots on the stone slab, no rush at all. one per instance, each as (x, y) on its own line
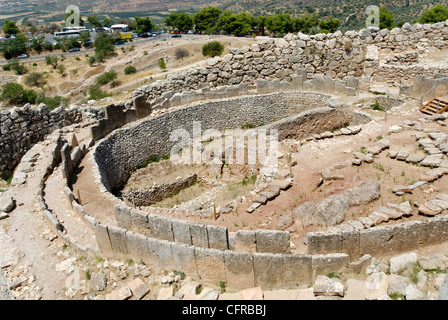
(239, 270)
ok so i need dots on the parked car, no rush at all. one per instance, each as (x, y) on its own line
(119, 42)
(23, 56)
(74, 50)
(176, 35)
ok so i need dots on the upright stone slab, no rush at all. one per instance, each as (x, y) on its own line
(239, 270)
(332, 262)
(160, 227)
(103, 241)
(181, 231)
(406, 236)
(66, 157)
(217, 237)
(375, 240)
(323, 242)
(210, 264)
(350, 243)
(139, 221)
(123, 216)
(184, 259)
(118, 241)
(269, 270)
(137, 247)
(160, 254)
(142, 108)
(298, 270)
(272, 241)
(434, 230)
(114, 113)
(199, 236)
(244, 241)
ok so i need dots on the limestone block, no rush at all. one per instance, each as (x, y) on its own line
(199, 235)
(181, 231)
(118, 242)
(269, 270)
(137, 247)
(103, 241)
(375, 240)
(184, 258)
(210, 264)
(123, 216)
(243, 240)
(323, 242)
(160, 227)
(298, 270)
(332, 262)
(160, 254)
(217, 237)
(272, 241)
(239, 270)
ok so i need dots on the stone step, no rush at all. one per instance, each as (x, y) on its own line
(384, 217)
(253, 207)
(393, 214)
(442, 204)
(357, 225)
(377, 219)
(404, 207)
(423, 209)
(367, 222)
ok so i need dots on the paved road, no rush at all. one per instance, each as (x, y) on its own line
(135, 42)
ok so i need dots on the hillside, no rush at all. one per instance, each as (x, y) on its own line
(351, 13)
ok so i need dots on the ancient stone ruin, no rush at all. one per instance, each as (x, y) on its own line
(354, 182)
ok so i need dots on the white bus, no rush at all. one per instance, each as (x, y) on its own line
(120, 28)
(69, 32)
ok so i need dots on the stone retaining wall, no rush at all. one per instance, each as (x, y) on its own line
(297, 58)
(22, 127)
(145, 197)
(381, 240)
(128, 147)
(201, 235)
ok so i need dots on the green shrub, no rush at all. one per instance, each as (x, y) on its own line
(34, 79)
(96, 93)
(14, 94)
(52, 102)
(130, 70)
(106, 77)
(211, 49)
(6, 67)
(162, 64)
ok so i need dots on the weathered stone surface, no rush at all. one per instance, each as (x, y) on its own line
(401, 262)
(243, 240)
(7, 204)
(123, 293)
(376, 286)
(397, 284)
(138, 288)
(272, 241)
(239, 269)
(331, 210)
(98, 281)
(325, 286)
(413, 293)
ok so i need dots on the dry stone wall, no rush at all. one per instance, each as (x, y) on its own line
(297, 58)
(22, 127)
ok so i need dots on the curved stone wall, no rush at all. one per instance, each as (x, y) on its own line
(130, 146)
